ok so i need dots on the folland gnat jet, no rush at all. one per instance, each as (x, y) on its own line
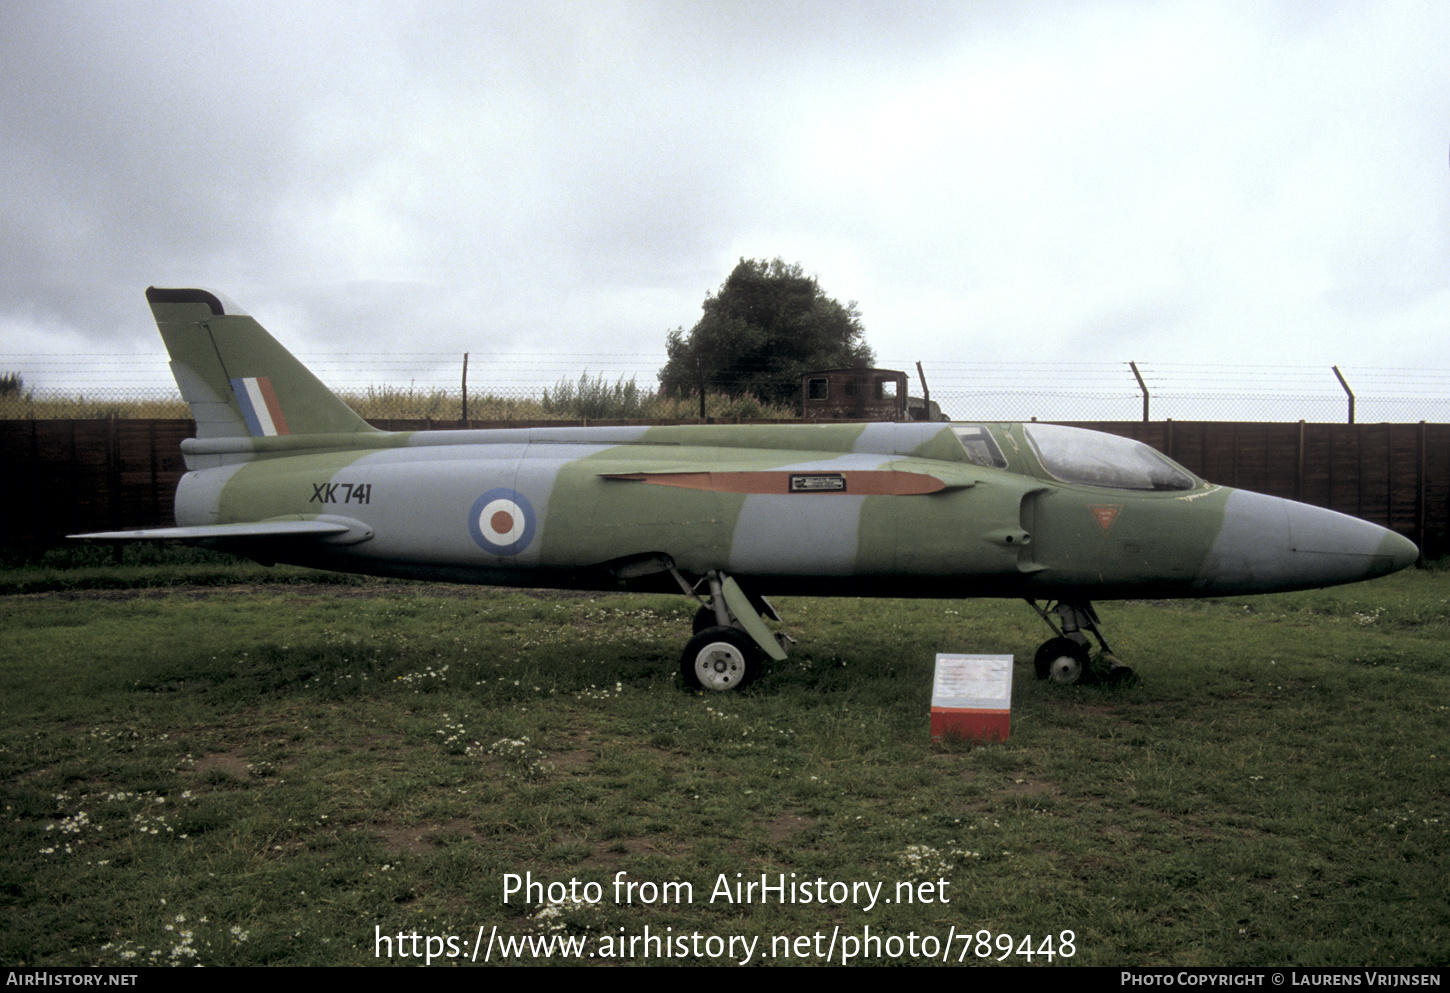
(281, 470)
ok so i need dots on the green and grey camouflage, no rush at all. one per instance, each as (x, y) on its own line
(281, 470)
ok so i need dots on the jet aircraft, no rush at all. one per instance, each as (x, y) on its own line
(281, 470)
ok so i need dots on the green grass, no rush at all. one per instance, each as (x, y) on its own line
(276, 774)
(139, 566)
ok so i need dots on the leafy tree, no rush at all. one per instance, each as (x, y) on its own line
(769, 324)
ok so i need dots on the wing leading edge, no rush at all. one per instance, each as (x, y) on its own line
(256, 529)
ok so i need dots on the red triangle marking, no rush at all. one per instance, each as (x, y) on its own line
(1106, 515)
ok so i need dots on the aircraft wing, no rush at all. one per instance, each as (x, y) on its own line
(257, 529)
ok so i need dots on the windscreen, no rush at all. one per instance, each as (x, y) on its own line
(1076, 455)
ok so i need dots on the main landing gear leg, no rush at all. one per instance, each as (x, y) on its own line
(1066, 658)
(731, 638)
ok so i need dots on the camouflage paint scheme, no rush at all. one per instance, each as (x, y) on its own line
(282, 470)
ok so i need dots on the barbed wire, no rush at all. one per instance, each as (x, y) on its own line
(122, 368)
(134, 386)
(440, 404)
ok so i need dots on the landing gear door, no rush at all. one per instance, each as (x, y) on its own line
(744, 612)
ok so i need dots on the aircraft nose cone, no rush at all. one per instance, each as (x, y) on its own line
(1401, 551)
(1269, 544)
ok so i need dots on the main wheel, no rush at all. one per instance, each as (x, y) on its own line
(1062, 660)
(720, 659)
(704, 619)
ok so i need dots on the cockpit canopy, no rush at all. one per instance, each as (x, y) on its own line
(1091, 458)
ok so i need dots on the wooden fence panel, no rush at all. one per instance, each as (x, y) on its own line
(1434, 514)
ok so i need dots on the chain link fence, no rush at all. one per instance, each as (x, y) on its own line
(1137, 391)
(1023, 405)
(1104, 391)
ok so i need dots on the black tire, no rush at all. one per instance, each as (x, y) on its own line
(1063, 661)
(704, 619)
(720, 659)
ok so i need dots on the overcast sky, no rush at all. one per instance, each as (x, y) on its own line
(554, 186)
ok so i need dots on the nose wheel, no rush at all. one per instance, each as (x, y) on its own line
(1065, 659)
(1062, 660)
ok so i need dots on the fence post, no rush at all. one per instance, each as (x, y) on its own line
(1142, 386)
(465, 389)
(1299, 465)
(155, 495)
(1420, 473)
(113, 481)
(1347, 391)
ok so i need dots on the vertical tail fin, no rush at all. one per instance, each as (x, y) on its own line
(239, 381)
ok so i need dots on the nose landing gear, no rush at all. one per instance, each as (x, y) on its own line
(1066, 658)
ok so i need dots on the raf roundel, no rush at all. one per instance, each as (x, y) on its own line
(502, 522)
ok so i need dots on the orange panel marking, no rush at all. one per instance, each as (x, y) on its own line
(861, 482)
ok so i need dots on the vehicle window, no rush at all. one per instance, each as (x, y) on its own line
(1076, 455)
(980, 446)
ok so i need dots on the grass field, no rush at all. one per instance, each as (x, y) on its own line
(309, 772)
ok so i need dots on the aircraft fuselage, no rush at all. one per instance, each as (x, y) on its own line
(870, 510)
